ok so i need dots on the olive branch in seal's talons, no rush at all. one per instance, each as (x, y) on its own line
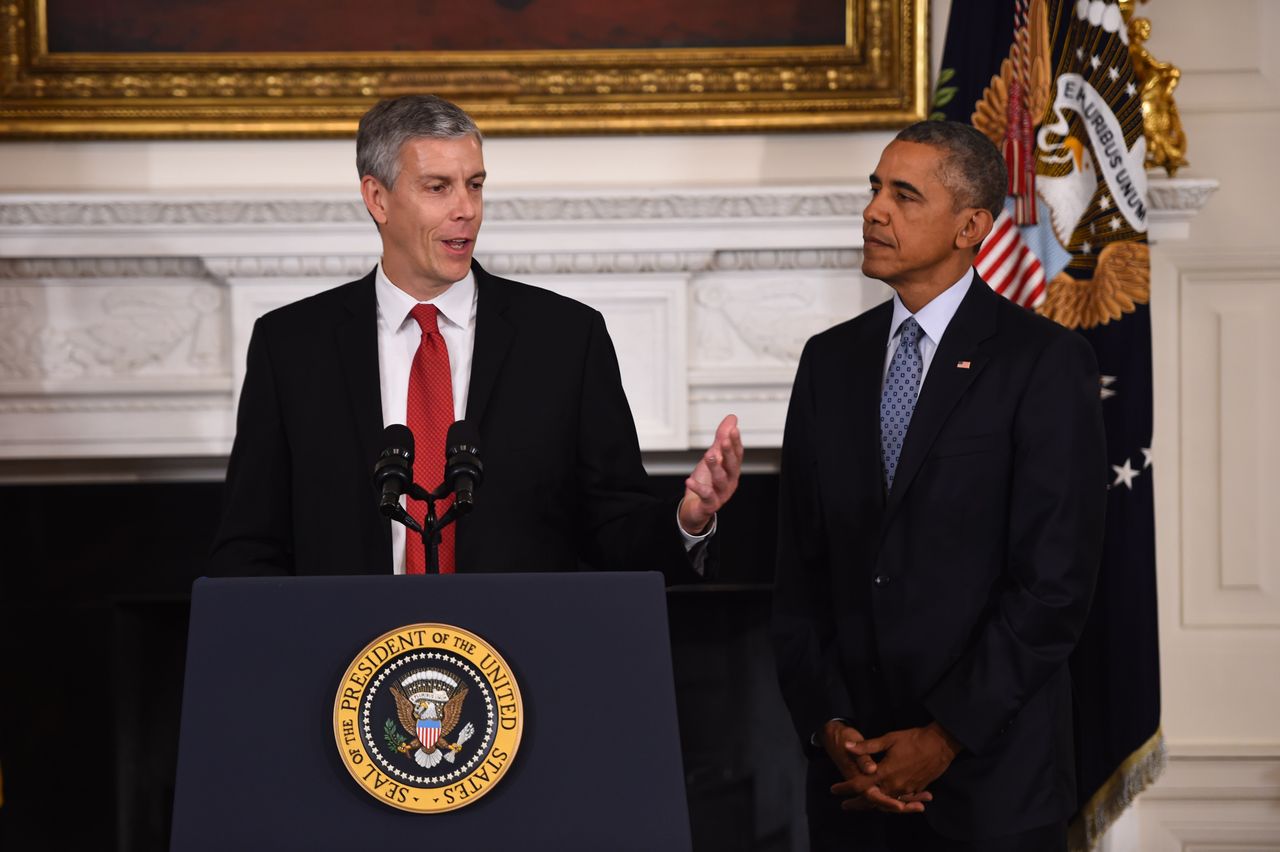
(395, 740)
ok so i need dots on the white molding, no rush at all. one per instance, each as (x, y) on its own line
(113, 331)
(32, 269)
(338, 267)
(1245, 259)
(1206, 92)
(1221, 787)
(1189, 750)
(1174, 203)
(117, 211)
(112, 212)
(1227, 456)
(115, 225)
(1212, 803)
(710, 294)
(538, 265)
(1225, 50)
(250, 299)
(56, 225)
(759, 397)
(647, 320)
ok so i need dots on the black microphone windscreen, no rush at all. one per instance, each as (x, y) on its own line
(461, 434)
(394, 469)
(463, 470)
(393, 473)
(397, 435)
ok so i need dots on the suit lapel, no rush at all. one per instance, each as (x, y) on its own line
(861, 402)
(357, 341)
(356, 337)
(956, 363)
(494, 336)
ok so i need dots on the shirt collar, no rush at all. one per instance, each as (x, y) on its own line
(935, 316)
(455, 305)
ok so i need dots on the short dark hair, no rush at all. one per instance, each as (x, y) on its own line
(390, 123)
(972, 169)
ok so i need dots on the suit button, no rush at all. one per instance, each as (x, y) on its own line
(875, 670)
(881, 580)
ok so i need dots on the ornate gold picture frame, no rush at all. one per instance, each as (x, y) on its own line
(877, 78)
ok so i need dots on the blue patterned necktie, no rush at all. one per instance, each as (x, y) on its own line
(898, 399)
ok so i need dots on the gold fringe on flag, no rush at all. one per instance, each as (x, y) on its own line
(1138, 772)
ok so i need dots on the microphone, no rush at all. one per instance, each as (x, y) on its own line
(393, 474)
(463, 471)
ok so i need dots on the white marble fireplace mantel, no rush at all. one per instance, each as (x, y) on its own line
(124, 318)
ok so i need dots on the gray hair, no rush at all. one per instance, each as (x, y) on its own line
(390, 123)
(972, 169)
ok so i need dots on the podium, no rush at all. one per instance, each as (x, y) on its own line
(598, 761)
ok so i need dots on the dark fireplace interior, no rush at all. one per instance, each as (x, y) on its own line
(94, 596)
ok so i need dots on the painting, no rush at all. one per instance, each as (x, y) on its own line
(309, 68)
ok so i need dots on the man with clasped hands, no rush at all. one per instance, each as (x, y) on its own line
(941, 512)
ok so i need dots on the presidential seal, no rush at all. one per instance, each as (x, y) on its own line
(428, 718)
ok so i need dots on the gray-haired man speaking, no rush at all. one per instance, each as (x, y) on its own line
(426, 338)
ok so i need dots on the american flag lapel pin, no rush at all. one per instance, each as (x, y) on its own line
(962, 365)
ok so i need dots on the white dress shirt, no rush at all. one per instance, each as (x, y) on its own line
(398, 337)
(933, 319)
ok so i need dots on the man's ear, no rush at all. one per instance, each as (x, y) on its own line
(375, 198)
(977, 224)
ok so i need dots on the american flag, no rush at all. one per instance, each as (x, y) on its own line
(1009, 266)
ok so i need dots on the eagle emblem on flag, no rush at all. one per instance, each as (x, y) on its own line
(429, 706)
(1062, 126)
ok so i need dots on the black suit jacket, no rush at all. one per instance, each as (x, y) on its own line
(959, 595)
(564, 485)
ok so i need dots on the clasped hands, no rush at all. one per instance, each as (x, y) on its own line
(910, 760)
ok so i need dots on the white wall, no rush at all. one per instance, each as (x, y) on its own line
(604, 161)
(1216, 312)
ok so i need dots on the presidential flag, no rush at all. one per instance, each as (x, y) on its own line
(1050, 83)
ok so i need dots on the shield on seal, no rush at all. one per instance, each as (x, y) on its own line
(428, 733)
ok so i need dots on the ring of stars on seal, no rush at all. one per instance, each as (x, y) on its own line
(388, 674)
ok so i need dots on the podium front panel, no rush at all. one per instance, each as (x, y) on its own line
(598, 765)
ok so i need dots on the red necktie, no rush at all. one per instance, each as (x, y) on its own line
(430, 413)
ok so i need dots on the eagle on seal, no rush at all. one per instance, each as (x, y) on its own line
(429, 706)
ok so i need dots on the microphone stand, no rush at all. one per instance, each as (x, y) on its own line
(432, 526)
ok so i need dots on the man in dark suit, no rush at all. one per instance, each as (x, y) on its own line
(430, 334)
(941, 511)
